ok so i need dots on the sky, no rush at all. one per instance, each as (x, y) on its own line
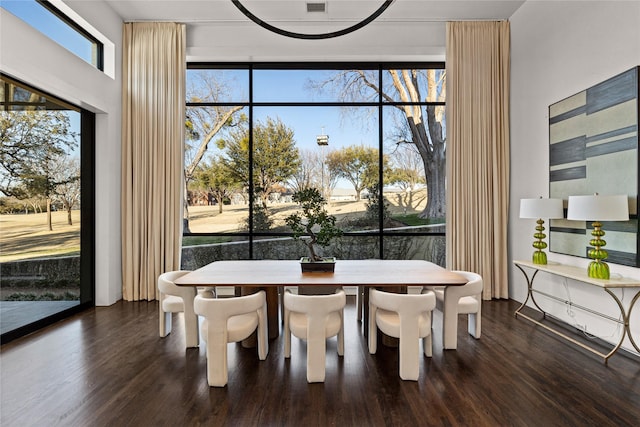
(44, 21)
(278, 86)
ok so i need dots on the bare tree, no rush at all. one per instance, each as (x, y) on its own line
(29, 140)
(34, 202)
(203, 123)
(309, 174)
(67, 192)
(407, 173)
(424, 124)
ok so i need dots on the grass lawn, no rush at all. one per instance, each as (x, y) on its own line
(27, 236)
(203, 240)
(413, 220)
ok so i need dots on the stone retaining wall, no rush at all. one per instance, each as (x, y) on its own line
(41, 279)
(430, 248)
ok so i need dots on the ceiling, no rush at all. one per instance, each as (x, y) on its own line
(407, 30)
(295, 11)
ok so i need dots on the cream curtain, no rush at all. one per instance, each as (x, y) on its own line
(478, 151)
(153, 96)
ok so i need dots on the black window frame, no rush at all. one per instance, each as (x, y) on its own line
(380, 104)
(87, 215)
(74, 25)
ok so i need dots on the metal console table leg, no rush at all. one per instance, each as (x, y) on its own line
(625, 314)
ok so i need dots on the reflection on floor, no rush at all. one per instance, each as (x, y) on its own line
(15, 314)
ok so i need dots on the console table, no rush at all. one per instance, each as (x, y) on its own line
(580, 274)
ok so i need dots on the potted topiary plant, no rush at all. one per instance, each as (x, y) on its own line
(313, 226)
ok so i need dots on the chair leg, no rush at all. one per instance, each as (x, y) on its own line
(165, 323)
(192, 334)
(217, 369)
(263, 333)
(474, 325)
(427, 342)
(427, 345)
(316, 350)
(373, 330)
(316, 359)
(409, 352)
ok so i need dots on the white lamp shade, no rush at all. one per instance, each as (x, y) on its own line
(598, 208)
(541, 208)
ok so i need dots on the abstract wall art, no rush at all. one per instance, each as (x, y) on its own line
(593, 148)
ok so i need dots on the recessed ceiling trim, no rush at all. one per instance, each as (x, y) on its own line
(304, 36)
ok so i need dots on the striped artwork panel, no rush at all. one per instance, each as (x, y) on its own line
(593, 148)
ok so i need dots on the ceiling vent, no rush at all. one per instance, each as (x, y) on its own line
(316, 7)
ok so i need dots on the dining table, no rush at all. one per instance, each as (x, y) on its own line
(268, 275)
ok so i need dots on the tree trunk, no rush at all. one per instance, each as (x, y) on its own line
(69, 220)
(436, 175)
(313, 257)
(185, 210)
(49, 214)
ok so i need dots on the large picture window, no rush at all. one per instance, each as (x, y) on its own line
(371, 138)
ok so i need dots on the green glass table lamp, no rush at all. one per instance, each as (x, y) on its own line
(540, 208)
(597, 208)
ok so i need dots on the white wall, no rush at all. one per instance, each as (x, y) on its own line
(558, 49)
(33, 58)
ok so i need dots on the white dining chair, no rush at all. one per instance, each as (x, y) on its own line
(406, 317)
(228, 320)
(177, 299)
(314, 318)
(452, 301)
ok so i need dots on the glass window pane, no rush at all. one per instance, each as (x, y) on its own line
(55, 28)
(414, 85)
(220, 86)
(216, 156)
(315, 85)
(414, 181)
(337, 152)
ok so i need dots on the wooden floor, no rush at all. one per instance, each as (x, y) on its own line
(108, 367)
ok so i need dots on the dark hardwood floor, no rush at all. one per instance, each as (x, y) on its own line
(108, 367)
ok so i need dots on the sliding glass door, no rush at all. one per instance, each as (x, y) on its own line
(46, 208)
